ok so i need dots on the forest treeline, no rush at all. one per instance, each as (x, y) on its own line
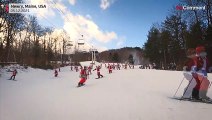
(182, 29)
(25, 41)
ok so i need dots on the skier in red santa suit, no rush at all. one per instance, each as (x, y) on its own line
(98, 71)
(109, 68)
(201, 68)
(83, 77)
(13, 75)
(188, 73)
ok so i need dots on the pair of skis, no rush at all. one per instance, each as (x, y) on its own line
(207, 101)
(12, 79)
(84, 84)
(80, 85)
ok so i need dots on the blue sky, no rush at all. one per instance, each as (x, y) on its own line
(129, 20)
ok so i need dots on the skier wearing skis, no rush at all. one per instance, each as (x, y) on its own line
(125, 67)
(83, 77)
(89, 70)
(13, 75)
(76, 68)
(201, 67)
(55, 73)
(118, 66)
(189, 74)
(98, 72)
(71, 68)
(109, 68)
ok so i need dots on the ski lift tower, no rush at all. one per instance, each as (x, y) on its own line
(69, 45)
(81, 42)
(93, 54)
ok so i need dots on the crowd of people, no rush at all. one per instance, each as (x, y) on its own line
(85, 71)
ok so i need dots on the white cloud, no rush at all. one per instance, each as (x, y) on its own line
(72, 2)
(42, 12)
(77, 25)
(106, 4)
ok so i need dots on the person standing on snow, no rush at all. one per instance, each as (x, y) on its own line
(89, 70)
(189, 74)
(98, 72)
(71, 68)
(76, 68)
(201, 68)
(13, 75)
(118, 66)
(109, 68)
(55, 73)
(83, 77)
(125, 67)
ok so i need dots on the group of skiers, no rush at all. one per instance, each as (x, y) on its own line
(198, 66)
(86, 71)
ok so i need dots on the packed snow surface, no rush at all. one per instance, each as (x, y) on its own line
(132, 94)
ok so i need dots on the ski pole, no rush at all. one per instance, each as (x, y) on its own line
(210, 84)
(187, 86)
(179, 86)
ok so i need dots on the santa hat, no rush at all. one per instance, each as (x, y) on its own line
(200, 49)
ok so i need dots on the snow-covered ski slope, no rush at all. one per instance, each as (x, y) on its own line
(131, 94)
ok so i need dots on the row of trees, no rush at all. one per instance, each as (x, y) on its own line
(24, 40)
(115, 57)
(124, 55)
(183, 29)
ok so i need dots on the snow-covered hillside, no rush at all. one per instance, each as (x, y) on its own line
(131, 94)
